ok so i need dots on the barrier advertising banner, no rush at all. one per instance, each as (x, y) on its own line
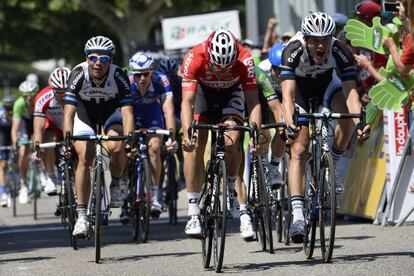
(187, 31)
(365, 180)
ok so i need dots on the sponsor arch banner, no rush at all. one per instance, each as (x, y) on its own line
(186, 31)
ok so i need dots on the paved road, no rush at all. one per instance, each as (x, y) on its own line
(40, 247)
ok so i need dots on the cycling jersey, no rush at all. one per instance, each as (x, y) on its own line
(96, 103)
(148, 107)
(297, 63)
(22, 112)
(219, 97)
(196, 69)
(48, 107)
(317, 81)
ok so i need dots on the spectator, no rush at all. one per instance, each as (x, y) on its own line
(271, 36)
(286, 36)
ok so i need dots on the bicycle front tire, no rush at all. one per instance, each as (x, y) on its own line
(327, 207)
(98, 201)
(220, 215)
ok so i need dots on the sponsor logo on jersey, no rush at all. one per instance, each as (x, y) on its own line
(294, 54)
(124, 82)
(76, 80)
(165, 81)
(250, 67)
(42, 101)
(340, 53)
(220, 84)
(187, 62)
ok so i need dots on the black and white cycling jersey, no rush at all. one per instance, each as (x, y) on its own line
(96, 103)
(318, 81)
(297, 63)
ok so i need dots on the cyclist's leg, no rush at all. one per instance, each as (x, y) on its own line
(49, 162)
(278, 144)
(336, 101)
(86, 154)
(154, 151)
(3, 171)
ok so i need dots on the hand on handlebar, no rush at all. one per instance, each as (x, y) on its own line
(172, 145)
(189, 145)
(363, 132)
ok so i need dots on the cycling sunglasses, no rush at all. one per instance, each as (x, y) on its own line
(140, 74)
(102, 59)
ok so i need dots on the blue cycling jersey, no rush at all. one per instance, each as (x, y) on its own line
(148, 107)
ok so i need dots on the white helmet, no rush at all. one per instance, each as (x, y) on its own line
(318, 24)
(221, 47)
(28, 88)
(59, 77)
(32, 77)
(141, 61)
(99, 43)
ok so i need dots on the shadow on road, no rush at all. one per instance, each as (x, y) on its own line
(361, 258)
(24, 260)
(141, 257)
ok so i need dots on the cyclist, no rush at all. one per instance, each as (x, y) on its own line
(170, 66)
(6, 113)
(268, 79)
(48, 122)
(153, 108)
(309, 64)
(22, 130)
(224, 71)
(95, 89)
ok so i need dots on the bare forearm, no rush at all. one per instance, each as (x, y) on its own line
(68, 117)
(127, 119)
(14, 130)
(38, 128)
(186, 116)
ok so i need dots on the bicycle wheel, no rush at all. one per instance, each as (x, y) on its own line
(69, 204)
(98, 200)
(134, 200)
(144, 205)
(254, 202)
(285, 199)
(327, 207)
(33, 184)
(12, 180)
(172, 190)
(265, 206)
(278, 215)
(311, 216)
(206, 219)
(220, 209)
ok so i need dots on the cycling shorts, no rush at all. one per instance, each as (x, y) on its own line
(322, 90)
(56, 131)
(88, 127)
(4, 154)
(215, 106)
(142, 120)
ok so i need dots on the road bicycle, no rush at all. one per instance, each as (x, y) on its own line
(67, 197)
(98, 207)
(12, 177)
(214, 200)
(320, 193)
(140, 185)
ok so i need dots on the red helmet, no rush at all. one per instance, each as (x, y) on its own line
(221, 48)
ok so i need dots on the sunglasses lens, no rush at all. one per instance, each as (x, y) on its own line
(102, 59)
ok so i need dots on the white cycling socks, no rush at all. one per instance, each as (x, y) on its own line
(193, 209)
(297, 208)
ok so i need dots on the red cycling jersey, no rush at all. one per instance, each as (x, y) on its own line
(47, 106)
(196, 69)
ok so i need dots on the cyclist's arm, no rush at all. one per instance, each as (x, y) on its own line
(253, 107)
(169, 112)
(69, 112)
(276, 108)
(352, 97)
(127, 113)
(187, 105)
(14, 130)
(38, 128)
(288, 94)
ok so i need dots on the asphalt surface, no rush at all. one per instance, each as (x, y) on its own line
(41, 247)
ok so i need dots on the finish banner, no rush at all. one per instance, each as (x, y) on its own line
(186, 31)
